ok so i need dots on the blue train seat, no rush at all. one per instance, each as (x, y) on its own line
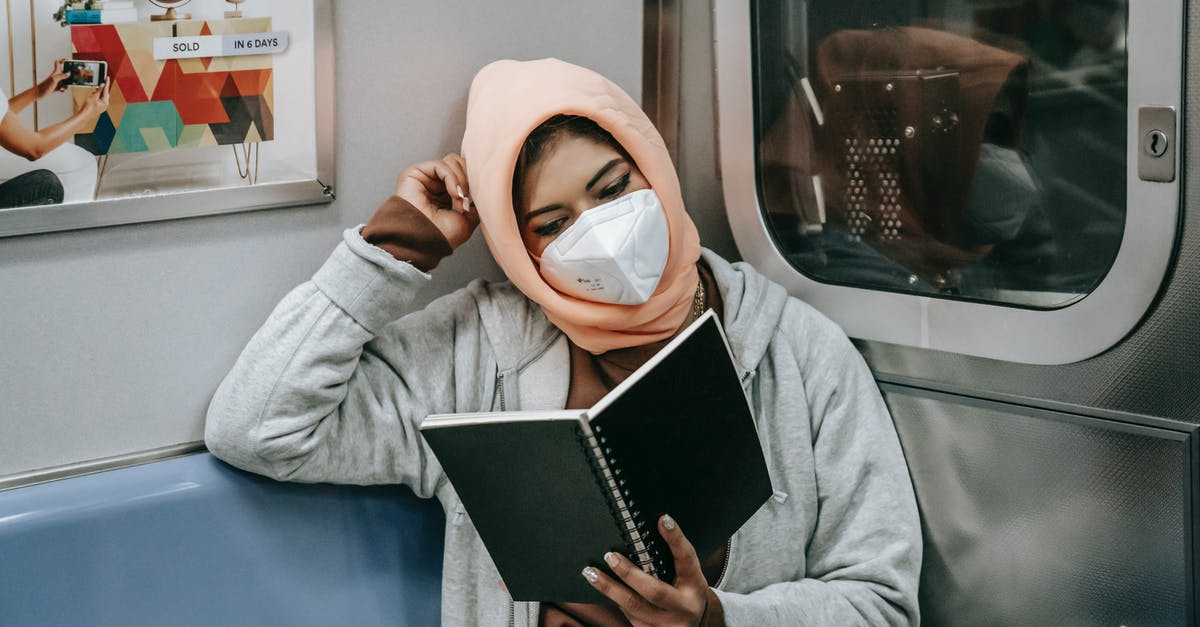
(192, 541)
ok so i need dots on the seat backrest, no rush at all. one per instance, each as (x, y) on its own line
(192, 541)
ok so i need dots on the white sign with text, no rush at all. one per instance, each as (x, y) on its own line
(219, 45)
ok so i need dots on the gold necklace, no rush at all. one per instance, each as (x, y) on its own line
(698, 300)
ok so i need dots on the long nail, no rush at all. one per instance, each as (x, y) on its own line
(668, 522)
(590, 574)
(466, 202)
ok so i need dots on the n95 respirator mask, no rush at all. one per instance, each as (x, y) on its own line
(613, 253)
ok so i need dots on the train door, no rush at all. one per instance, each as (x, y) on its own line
(989, 197)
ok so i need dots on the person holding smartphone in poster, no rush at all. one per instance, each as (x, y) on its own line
(41, 182)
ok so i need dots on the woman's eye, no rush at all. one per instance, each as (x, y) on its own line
(551, 227)
(618, 186)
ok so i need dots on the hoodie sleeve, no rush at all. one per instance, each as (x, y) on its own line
(407, 234)
(334, 384)
(863, 556)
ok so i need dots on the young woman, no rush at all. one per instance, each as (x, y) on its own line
(334, 385)
(23, 185)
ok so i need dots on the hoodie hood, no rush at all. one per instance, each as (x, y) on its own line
(508, 100)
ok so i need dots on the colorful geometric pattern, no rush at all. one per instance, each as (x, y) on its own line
(159, 105)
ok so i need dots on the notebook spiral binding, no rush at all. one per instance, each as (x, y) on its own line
(642, 548)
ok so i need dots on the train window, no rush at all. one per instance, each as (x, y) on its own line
(953, 148)
(979, 155)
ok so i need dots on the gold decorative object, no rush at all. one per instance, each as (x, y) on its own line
(170, 6)
(237, 12)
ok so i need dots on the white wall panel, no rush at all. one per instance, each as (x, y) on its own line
(113, 340)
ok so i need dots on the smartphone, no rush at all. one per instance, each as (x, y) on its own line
(85, 73)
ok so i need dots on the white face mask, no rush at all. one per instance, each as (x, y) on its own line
(613, 253)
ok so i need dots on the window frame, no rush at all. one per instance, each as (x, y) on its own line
(1072, 333)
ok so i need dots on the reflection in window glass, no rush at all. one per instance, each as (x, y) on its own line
(965, 148)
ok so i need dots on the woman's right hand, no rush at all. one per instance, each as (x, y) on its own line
(439, 190)
(97, 101)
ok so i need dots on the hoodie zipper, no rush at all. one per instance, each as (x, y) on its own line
(746, 378)
(725, 566)
(513, 604)
(500, 385)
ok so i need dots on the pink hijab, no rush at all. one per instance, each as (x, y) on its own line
(508, 100)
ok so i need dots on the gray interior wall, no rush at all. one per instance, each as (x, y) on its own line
(699, 173)
(112, 340)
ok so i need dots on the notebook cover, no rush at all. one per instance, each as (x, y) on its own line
(681, 433)
(683, 436)
(532, 495)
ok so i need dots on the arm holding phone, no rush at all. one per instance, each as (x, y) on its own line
(52, 83)
(17, 138)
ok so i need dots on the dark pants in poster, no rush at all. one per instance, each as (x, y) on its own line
(39, 187)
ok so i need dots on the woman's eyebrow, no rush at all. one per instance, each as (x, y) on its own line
(527, 217)
(601, 172)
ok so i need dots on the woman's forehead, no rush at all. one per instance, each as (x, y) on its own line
(574, 152)
(566, 168)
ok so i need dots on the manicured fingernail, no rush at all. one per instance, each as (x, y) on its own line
(590, 574)
(467, 204)
(460, 192)
(610, 558)
(668, 522)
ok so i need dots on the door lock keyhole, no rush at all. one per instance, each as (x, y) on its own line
(1156, 143)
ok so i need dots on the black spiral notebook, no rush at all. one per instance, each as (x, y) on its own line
(551, 491)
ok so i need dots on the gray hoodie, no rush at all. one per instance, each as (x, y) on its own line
(334, 385)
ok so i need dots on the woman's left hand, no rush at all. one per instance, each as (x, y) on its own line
(644, 599)
(54, 82)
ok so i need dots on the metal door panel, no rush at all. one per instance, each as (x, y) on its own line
(1035, 517)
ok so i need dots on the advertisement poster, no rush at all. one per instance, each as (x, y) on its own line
(120, 103)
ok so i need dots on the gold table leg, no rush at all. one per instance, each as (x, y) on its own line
(250, 153)
(101, 166)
